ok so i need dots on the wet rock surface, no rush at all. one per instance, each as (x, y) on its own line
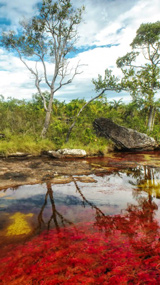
(34, 170)
(124, 138)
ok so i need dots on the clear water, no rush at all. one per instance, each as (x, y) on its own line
(28, 210)
(123, 195)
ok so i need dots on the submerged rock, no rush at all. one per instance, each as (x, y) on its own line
(124, 138)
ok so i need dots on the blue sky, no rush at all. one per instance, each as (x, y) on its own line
(105, 33)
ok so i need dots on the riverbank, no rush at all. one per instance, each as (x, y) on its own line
(15, 171)
(30, 146)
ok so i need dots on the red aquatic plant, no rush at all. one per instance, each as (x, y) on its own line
(121, 249)
(112, 253)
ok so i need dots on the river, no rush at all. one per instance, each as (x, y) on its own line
(100, 228)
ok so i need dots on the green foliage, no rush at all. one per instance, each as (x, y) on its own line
(21, 123)
(49, 36)
(143, 80)
(97, 147)
(53, 21)
(26, 144)
(147, 34)
(127, 59)
(109, 82)
(156, 133)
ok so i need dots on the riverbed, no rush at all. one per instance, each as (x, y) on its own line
(84, 221)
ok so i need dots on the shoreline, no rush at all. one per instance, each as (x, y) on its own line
(17, 171)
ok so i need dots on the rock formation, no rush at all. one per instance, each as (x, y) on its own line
(124, 138)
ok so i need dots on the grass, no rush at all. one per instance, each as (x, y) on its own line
(96, 147)
(26, 144)
(31, 145)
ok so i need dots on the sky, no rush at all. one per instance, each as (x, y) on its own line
(105, 33)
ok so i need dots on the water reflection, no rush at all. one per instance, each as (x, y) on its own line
(135, 219)
(116, 198)
(104, 232)
(140, 216)
(150, 181)
(58, 219)
(55, 214)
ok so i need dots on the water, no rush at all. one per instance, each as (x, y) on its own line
(121, 202)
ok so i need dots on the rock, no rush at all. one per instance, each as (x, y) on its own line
(53, 153)
(72, 152)
(66, 152)
(124, 138)
(85, 179)
(61, 180)
(18, 154)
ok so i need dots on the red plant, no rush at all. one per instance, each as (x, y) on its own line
(84, 256)
(122, 249)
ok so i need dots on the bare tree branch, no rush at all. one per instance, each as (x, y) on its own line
(63, 75)
(81, 110)
(98, 211)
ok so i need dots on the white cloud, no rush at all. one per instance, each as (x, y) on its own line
(105, 23)
(15, 10)
(99, 15)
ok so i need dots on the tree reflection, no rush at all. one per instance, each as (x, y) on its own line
(135, 222)
(150, 182)
(56, 216)
(114, 249)
(147, 179)
(85, 201)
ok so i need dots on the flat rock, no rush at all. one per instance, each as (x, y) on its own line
(124, 138)
(67, 152)
(17, 154)
(15, 172)
(85, 179)
(61, 180)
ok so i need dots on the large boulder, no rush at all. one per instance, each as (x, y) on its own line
(124, 138)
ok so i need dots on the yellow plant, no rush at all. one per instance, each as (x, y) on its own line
(20, 225)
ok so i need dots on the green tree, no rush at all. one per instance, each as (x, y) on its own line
(48, 37)
(108, 83)
(141, 68)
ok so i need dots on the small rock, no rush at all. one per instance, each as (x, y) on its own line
(72, 152)
(54, 154)
(18, 154)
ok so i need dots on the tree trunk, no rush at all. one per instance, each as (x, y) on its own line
(151, 118)
(47, 118)
(46, 124)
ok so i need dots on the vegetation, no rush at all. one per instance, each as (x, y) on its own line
(50, 37)
(21, 123)
(112, 249)
(141, 72)
(142, 79)
(47, 39)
